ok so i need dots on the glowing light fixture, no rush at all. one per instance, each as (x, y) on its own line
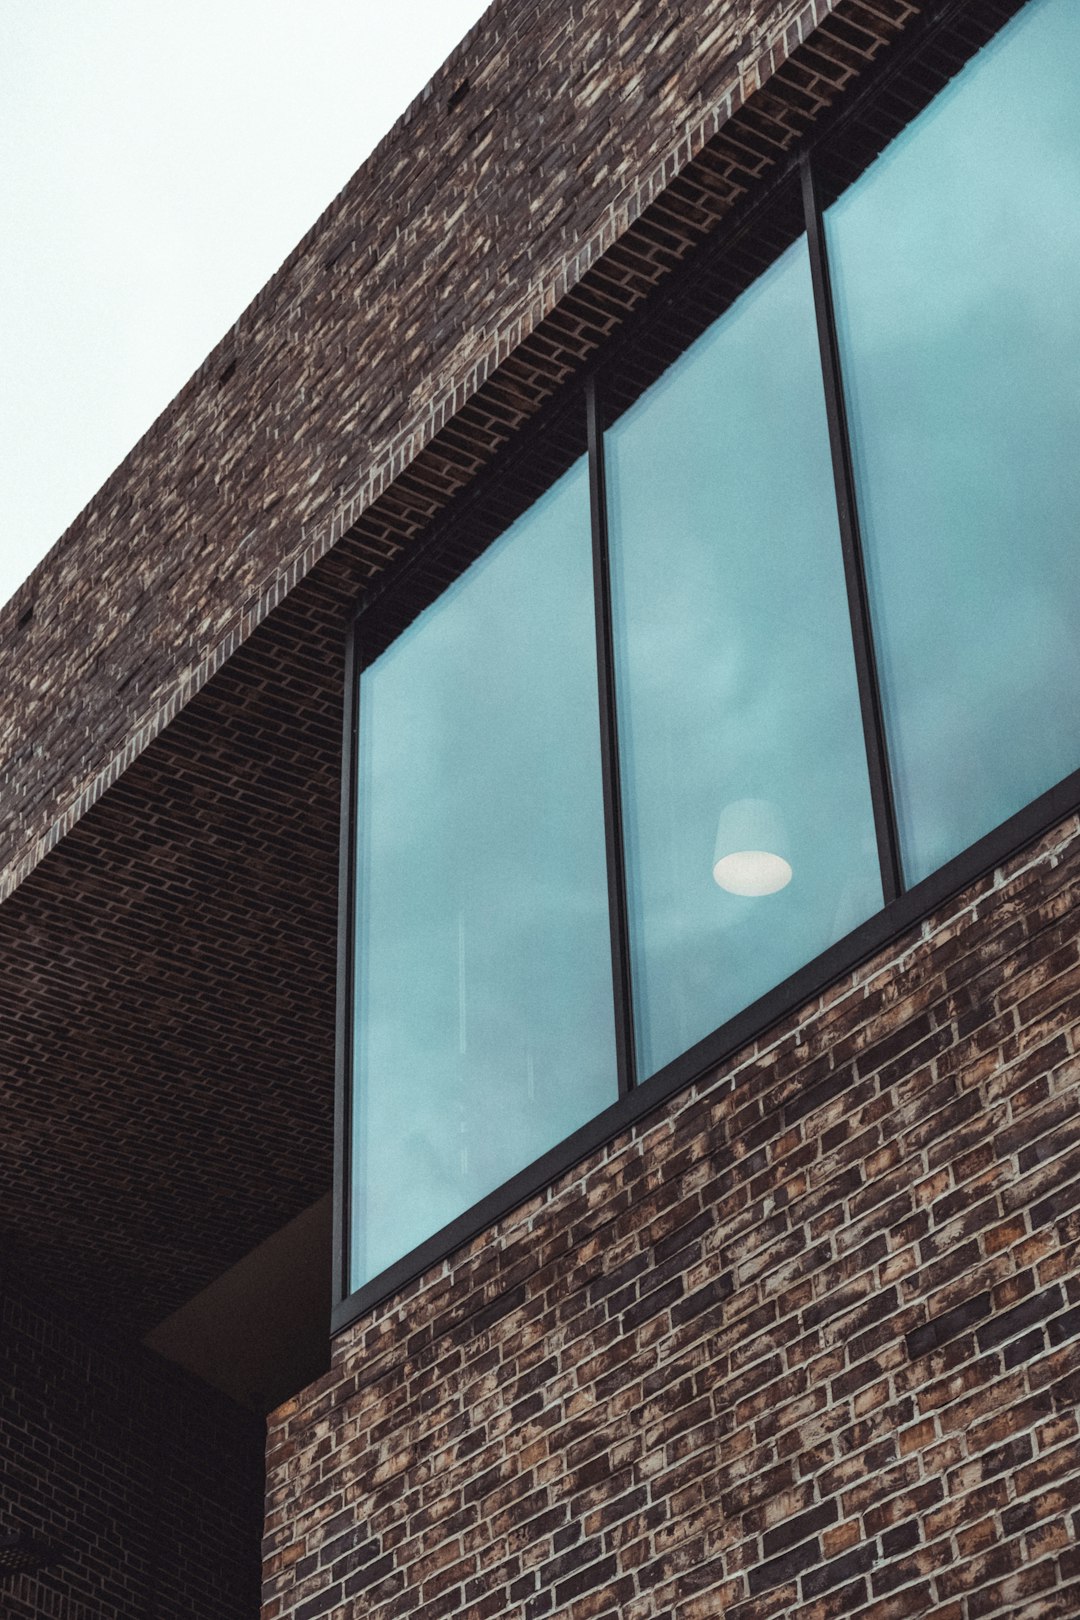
(749, 856)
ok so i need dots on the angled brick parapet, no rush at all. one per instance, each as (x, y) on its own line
(563, 160)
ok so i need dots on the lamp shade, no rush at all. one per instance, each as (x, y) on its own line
(751, 850)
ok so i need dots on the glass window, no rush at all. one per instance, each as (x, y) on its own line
(956, 267)
(484, 1023)
(483, 1006)
(750, 838)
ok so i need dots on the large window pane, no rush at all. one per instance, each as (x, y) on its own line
(738, 709)
(484, 1025)
(956, 264)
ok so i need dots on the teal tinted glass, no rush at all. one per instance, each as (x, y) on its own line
(956, 269)
(484, 1023)
(750, 838)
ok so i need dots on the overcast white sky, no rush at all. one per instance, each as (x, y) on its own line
(158, 161)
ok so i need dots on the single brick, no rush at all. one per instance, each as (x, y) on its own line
(856, 1562)
(598, 1574)
(948, 1325)
(900, 1538)
(1036, 1308)
(1064, 1327)
(1024, 1349)
(778, 1571)
(785, 1535)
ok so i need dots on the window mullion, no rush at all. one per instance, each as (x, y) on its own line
(609, 751)
(873, 723)
(346, 995)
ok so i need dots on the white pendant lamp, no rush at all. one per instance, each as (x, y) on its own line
(751, 849)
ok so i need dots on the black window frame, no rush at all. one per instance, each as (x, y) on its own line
(789, 204)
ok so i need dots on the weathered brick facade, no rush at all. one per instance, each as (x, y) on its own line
(803, 1344)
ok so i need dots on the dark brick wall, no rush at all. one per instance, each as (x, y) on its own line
(167, 1003)
(149, 1483)
(804, 1343)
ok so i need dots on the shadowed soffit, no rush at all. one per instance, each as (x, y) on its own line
(167, 996)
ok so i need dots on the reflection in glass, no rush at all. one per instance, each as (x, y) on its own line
(956, 267)
(750, 840)
(484, 1024)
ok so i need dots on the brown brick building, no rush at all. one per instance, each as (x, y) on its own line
(773, 1308)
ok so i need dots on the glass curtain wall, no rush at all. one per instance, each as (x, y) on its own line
(484, 1030)
(749, 827)
(483, 1022)
(956, 272)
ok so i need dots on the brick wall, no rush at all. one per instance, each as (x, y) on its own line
(804, 1343)
(149, 1483)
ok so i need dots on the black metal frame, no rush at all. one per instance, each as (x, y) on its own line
(618, 911)
(902, 907)
(343, 1042)
(862, 635)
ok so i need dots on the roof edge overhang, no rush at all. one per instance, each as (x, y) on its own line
(762, 109)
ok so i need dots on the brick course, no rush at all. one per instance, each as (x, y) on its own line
(802, 1343)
